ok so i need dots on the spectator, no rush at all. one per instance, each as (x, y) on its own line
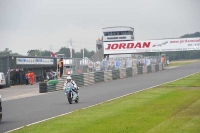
(45, 74)
(79, 71)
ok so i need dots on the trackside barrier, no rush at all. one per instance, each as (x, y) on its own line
(78, 78)
(115, 74)
(149, 70)
(140, 70)
(98, 77)
(153, 68)
(134, 71)
(144, 69)
(160, 67)
(122, 73)
(129, 72)
(86, 79)
(157, 67)
(51, 87)
(107, 75)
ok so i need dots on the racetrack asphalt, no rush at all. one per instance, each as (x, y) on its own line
(24, 110)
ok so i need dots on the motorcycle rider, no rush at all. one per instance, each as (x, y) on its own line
(69, 82)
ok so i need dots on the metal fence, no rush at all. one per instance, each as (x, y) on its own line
(86, 65)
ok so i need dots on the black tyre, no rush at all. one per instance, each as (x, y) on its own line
(69, 98)
(77, 99)
(43, 89)
(42, 84)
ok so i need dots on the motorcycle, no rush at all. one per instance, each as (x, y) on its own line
(71, 95)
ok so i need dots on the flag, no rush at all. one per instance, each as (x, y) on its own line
(55, 55)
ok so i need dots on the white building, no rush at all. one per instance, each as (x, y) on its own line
(117, 34)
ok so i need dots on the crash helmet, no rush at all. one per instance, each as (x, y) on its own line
(69, 78)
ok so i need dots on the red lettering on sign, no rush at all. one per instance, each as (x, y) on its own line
(128, 45)
(122, 45)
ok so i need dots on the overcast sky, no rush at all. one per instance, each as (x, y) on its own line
(37, 24)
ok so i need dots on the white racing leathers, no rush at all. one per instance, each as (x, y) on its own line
(71, 83)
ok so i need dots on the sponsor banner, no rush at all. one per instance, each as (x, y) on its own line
(34, 61)
(183, 44)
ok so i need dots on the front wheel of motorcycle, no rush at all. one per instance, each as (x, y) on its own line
(69, 98)
(77, 99)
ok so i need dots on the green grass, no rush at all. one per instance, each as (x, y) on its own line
(182, 62)
(169, 108)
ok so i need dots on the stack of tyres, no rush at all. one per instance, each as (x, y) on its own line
(43, 87)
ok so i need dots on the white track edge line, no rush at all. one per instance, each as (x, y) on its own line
(99, 103)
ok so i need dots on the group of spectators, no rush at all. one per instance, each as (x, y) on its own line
(19, 77)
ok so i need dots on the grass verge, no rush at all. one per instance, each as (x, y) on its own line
(169, 108)
(182, 62)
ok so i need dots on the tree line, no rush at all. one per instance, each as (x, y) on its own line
(63, 50)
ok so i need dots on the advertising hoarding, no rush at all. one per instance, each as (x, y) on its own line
(166, 45)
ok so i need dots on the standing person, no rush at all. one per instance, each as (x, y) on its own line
(66, 72)
(20, 77)
(60, 66)
(45, 74)
(32, 77)
(163, 61)
(29, 77)
(26, 78)
(79, 71)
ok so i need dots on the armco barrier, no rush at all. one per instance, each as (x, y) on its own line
(115, 74)
(88, 78)
(122, 73)
(98, 77)
(129, 72)
(107, 75)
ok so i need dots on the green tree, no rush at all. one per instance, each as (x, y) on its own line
(7, 52)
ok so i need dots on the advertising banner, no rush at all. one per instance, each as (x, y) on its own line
(125, 47)
(34, 61)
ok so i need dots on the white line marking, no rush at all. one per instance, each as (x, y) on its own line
(98, 103)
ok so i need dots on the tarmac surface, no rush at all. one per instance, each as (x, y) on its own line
(24, 105)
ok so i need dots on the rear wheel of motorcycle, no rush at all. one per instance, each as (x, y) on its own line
(69, 98)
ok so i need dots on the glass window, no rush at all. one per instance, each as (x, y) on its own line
(105, 33)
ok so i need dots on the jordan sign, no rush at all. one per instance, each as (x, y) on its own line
(166, 45)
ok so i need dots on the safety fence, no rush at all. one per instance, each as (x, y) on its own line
(86, 79)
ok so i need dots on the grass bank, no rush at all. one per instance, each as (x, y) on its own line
(182, 62)
(169, 108)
